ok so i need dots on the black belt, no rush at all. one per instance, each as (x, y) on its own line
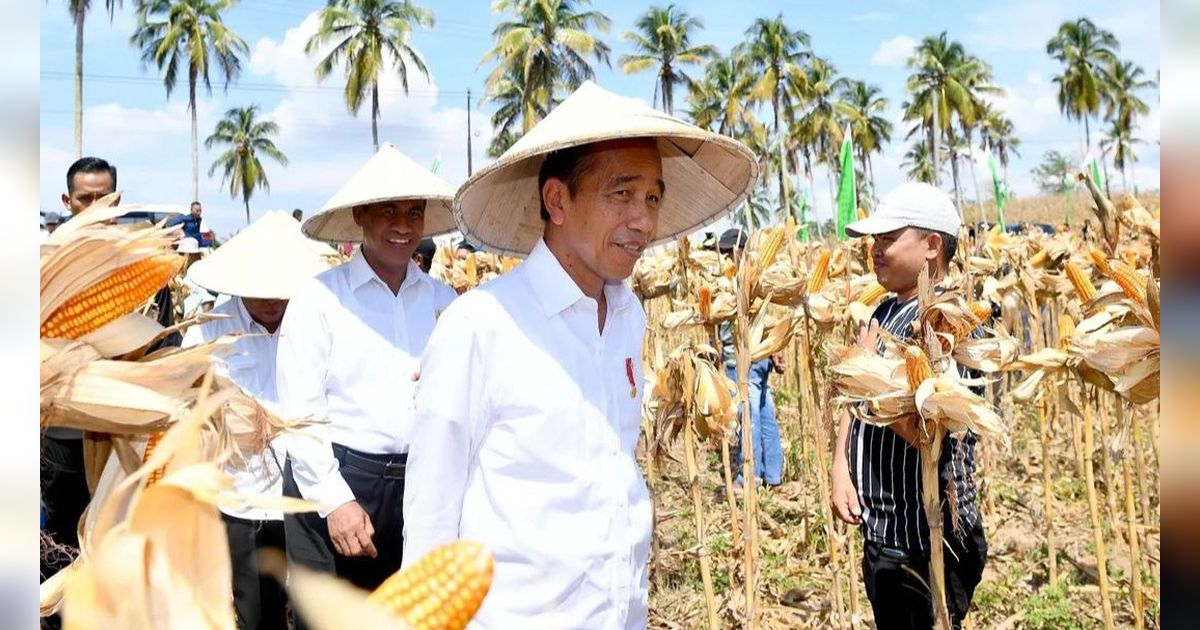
(386, 465)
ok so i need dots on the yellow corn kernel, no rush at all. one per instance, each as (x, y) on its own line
(1130, 282)
(771, 242)
(1083, 285)
(441, 591)
(115, 296)
(1066, 330)
(917, 367)
(704, 297)
(151, 444)
(1039, 259)
(1100, 259)
(871, 294)
(820, 272)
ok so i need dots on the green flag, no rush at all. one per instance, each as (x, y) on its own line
(847, 202)
(1095, 168)
(1001, 193)
(437, 164)
(803, 218)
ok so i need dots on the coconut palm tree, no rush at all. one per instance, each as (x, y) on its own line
(777, 55)
(997, 135)
(721, 102)
(1119, 141)
(663, 42)
(1084, 50)
(79, 10)
(366, 36)
(864, 106)
(821, 126)
(919, 164)
(245, 138)
(189, 35)
(547, 46)
(944, 83)
(1123, 79)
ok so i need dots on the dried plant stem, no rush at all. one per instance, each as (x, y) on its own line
(1094, 510)
(1047, 492)
(750, 479)
(735, 533)
(839, 608)
(930, 453)
(1106, 466)
(1135, 554)
(1140, 459)
(851, 568)
(689, 441)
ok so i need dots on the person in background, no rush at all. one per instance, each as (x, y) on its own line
(463, 249)
(298, 215)
(88, 179)
(193, 225)
(348, 354)
(424, 254)
(53, 220)
(258, 269)
(766, 444)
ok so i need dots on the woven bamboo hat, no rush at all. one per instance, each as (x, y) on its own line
(706, 174)
(268, 259)
(388, 176)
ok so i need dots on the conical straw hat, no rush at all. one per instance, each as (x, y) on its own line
(706, 174)
(388, 176)
(267, 259)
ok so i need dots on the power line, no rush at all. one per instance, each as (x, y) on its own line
(250, 87)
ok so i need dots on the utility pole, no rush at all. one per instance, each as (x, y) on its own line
(469, 169)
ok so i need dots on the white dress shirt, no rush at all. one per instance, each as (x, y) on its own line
(524, 440)
(348, 349)
(250, 364)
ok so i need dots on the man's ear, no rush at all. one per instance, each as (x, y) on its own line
(66, 201)
(933, 246)
(555, 195)
(358, 213)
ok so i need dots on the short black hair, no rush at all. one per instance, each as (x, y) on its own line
(564, 164)
(949, 244)
(196, 203)
(90, 165)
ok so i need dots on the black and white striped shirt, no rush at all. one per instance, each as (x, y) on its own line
(886, 469)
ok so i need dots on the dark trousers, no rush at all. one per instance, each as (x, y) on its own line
(901, 600)
(377, 482)
(64, 493)
(259, 600)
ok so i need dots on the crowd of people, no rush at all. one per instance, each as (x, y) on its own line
(510, 414)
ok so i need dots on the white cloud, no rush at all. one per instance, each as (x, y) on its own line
(894, 51)
(1032, 106)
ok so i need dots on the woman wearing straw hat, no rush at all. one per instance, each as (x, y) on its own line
(529, 403)
(348, 355)
(258, 269)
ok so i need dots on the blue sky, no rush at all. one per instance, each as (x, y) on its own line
(129, 120)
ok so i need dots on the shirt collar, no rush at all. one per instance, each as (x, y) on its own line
(360, 272)
(557, 291)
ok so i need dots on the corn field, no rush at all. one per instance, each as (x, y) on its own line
(1068, 424)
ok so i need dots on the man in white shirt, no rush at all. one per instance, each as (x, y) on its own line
(529, 400)
(348, 356)
(258, 269)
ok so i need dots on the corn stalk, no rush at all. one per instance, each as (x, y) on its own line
(1094, 509)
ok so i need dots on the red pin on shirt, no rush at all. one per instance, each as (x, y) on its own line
(629, 375)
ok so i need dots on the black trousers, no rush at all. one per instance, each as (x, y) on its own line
(377, 482)
(901, 600)
(64, 493)
(259, 600)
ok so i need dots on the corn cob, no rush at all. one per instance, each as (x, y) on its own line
(441, 591)
(704, 296)
(981, 311)
(1066, 330)
(1100, 259)
(1039, 259)
(1083, 285)
(917, 367)
(111, 298)
(1130, 282)
(151, 444)
(820, 272)
(871, 294)
(770, 246)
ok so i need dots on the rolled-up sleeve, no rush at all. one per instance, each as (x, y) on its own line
(449, 400)
(300, 371)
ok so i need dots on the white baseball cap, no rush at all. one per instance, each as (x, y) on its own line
(911, 204)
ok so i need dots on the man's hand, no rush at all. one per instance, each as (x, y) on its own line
(777, 360)
(845, 495)
(868, 336)
(350, 530)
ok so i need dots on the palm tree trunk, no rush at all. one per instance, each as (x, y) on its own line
(1087, 132)
(933, 149)
(195, 142)
(954, 172)
(79, 18)
(375, 116)
(782, 166)
(246, 200)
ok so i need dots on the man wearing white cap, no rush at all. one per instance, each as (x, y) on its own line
(258, 269)
(876, 470)
(348, 356)
(529, 401)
